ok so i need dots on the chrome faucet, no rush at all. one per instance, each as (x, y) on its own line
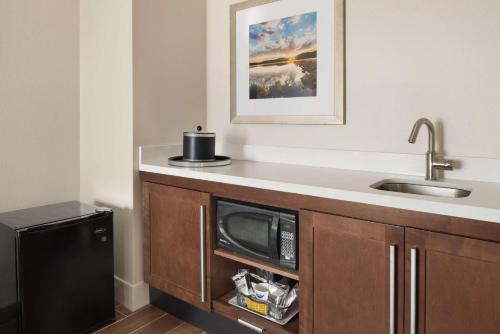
(432, 163)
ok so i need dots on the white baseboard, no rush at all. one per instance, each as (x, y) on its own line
(132, 296)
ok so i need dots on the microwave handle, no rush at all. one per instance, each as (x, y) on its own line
(234, 242)
(273, 238)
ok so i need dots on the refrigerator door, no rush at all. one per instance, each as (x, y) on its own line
(66, 276)
(8, 281)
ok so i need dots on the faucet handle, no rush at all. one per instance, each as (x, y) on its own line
(443, 164)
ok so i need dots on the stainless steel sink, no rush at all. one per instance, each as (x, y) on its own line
(437, 189)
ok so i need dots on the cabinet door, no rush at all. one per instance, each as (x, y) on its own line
(351, 276)
(456, 284)
(175, 256)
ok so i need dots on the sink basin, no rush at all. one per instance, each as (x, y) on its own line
(437, 189)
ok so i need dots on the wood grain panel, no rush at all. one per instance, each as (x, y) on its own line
(186, 329)
(122, 309)
(119, 316)
(306, 271)
(175, 233)
(147, 320)
(165, 324)
(174, 241)
(350, 290)
(293, 274)
(458, 284)
(146, 221)
(134, 321)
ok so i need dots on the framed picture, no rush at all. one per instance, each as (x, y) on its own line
(287, 62)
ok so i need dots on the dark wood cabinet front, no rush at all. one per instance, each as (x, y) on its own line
(356, 276)
(175, 236)
(456, 284)
(351, 275)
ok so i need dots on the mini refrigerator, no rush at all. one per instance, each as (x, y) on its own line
(56, 269)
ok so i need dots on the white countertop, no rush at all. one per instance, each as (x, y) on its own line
(341, 184)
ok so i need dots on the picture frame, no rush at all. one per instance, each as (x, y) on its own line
(303, 84)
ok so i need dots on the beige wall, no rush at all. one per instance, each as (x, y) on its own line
(169, 69)
(39, 135)
(135, 90)
(169, 56)
(106, 127)
(405, 60)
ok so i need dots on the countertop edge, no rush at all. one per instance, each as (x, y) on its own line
(404, 203)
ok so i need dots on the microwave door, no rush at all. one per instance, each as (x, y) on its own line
(252, 233)
(273, 239)
(239, 245)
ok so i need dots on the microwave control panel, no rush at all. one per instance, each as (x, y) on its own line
(288, 239)
(287, 245)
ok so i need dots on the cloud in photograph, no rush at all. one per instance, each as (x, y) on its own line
(283, 38)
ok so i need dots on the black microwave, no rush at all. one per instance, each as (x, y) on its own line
(262, 233)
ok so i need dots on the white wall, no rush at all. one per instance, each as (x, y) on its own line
(39, 132)
(405, 60)
(106, 127)
(135, 90)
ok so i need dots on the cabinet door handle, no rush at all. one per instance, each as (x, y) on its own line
(202, 253)
(251, 326)
(392, 289)
(413, 291)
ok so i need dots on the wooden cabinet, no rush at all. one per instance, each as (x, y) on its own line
(351, 275)
(356, 276)
(176, 239)
(353, 272)
(456, 284)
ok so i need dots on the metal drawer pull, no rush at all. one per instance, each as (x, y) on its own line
(392, 289)
(413, 291)
(250, 326)
(202, 253)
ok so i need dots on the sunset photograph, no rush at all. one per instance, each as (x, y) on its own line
(283, 57)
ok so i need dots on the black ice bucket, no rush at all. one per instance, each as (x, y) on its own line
(198, 146)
